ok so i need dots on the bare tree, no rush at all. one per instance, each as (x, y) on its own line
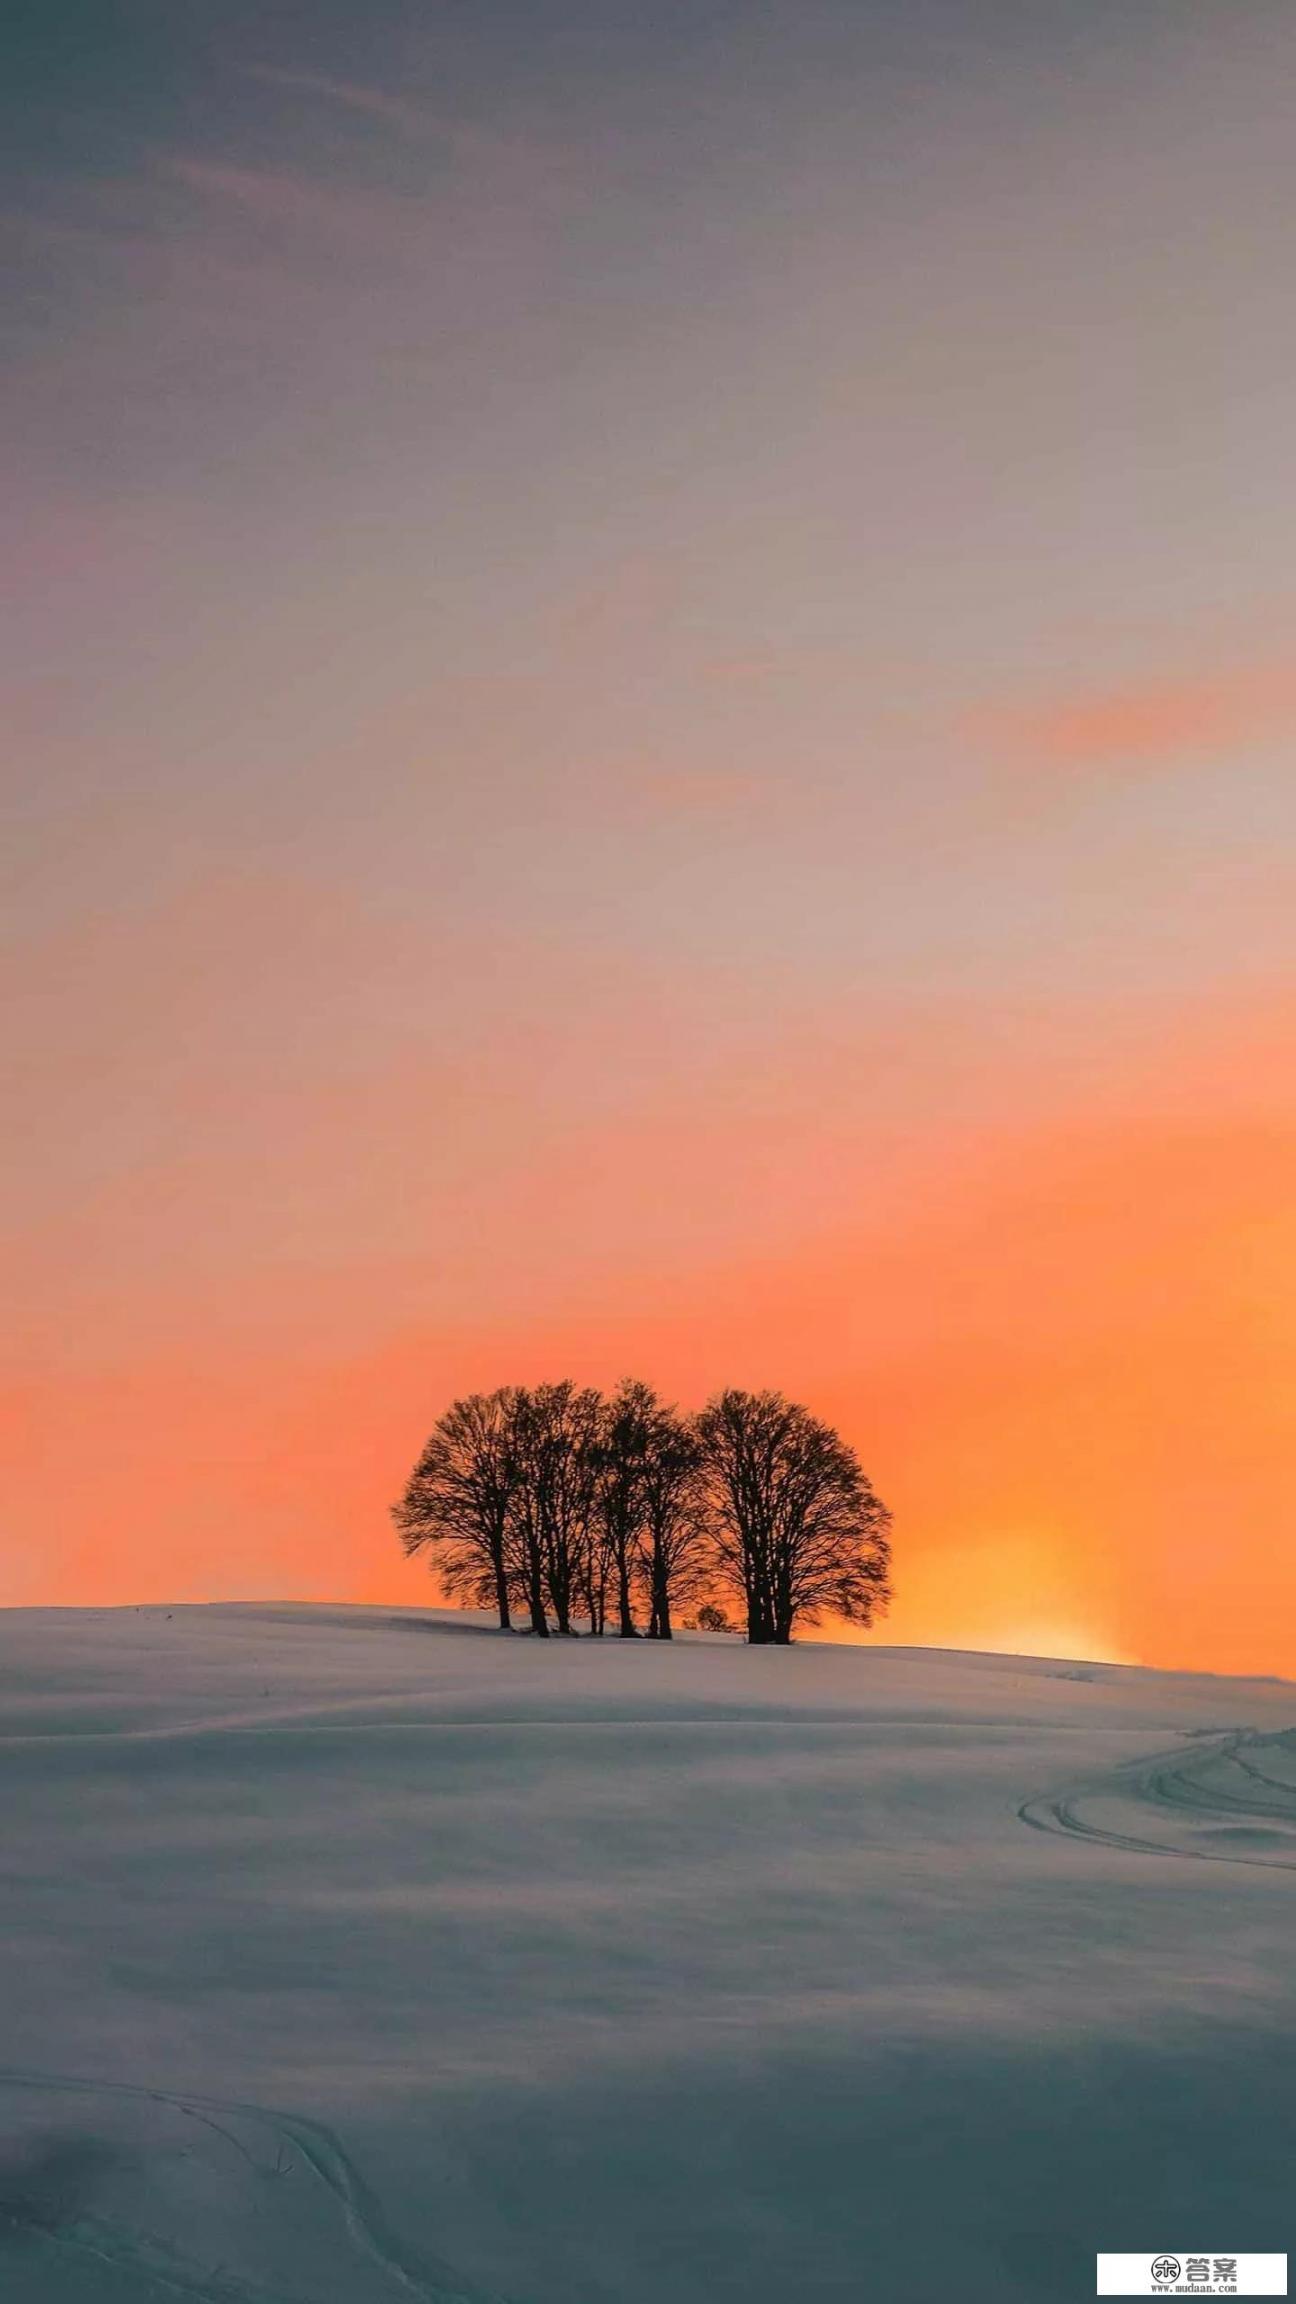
(461, 1497)
(555, 1504)
(796, 1525)
(625, 1432)
(593, 1575)
(524, 1537)
(559, 1500)
(672, 1540)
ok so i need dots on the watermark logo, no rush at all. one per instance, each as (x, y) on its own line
(1192, 2274)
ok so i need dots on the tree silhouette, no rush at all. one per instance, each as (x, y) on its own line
(625, 1436)
(525, 1533)
(797, 1529)
(554, 1508)
(672, 1538)
(553, 1499)
(462, 1495)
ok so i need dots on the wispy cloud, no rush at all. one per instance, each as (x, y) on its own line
(297, 202)
(1141, 725)
(375, 103)
(509, 152)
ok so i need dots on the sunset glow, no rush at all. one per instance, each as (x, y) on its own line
(648, 747)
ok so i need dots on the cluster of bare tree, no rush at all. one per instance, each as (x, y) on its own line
(557, 1504)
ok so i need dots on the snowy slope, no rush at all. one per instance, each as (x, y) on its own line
(351, 1958)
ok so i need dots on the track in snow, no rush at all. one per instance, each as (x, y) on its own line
(1221, 1799)
(335, 2211)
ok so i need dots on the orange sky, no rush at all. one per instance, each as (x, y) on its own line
(651, 705)
(1063, 1347)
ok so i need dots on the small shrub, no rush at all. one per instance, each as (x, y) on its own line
(709, 1618)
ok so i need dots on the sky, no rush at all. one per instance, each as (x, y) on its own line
(649, 671)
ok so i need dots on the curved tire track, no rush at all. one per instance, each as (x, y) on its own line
(412, 2275)
(1218, 1785)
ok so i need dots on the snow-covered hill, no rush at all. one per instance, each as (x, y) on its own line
(350, 1958)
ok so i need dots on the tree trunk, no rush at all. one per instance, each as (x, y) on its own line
(626, 1627)
(502, 1598)
(558, 1578)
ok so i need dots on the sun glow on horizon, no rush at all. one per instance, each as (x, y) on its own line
(1066, 1643)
